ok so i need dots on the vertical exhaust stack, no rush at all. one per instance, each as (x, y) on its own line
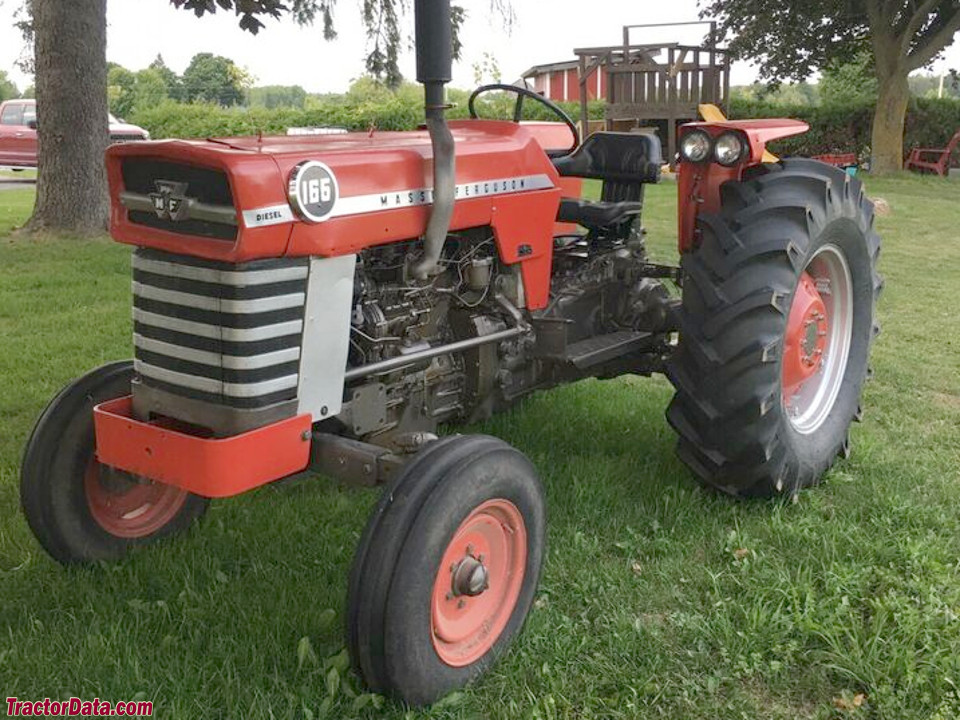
(434, 38)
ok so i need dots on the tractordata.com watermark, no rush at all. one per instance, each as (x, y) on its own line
(75, 707)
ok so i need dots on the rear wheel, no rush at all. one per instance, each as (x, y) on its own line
(447, 568)
(777, 319)
(80, 510)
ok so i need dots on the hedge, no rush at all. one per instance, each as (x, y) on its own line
(176, 120)
(833, 129)
(930, 122)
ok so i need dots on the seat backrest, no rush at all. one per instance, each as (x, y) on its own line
(954, 142)
(624, 157)
(624, 161)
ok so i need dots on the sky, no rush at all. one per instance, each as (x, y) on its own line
(285, 54)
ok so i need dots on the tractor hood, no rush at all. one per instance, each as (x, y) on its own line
(241, 199)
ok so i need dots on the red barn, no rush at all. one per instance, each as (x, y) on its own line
(561, 81)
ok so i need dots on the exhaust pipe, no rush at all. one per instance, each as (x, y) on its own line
(434, 38)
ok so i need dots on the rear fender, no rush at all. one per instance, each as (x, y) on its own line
(698, 184)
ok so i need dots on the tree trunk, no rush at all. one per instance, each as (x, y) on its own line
(70, 46)
(888, 124)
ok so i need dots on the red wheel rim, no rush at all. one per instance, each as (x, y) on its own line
(806, 337)
(818, 339)
(478, 582)
(127, 508)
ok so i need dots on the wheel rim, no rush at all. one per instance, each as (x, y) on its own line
(126, 507)
(478, 582)
(817, 340)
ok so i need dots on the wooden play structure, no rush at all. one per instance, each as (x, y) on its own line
(659, 84)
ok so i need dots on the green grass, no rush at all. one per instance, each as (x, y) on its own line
(15, 208)
(659, 600)
(19, 174)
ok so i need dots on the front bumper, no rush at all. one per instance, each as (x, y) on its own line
(210, 467)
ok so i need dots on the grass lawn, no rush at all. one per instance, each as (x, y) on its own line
(25, 174)
(659, 600)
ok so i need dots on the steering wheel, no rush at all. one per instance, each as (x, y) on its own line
(522, 93)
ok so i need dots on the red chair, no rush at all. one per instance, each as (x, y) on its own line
(935, 159)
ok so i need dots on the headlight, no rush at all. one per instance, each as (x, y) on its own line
(729, 148)
(696, 146)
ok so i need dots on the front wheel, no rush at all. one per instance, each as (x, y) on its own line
(777, 320)
(80, 510)
(447, 568)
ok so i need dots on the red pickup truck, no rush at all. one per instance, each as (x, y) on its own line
(18, 133)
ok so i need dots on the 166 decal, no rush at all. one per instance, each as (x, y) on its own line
(313, 191)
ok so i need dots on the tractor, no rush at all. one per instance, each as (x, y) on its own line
(323, 304)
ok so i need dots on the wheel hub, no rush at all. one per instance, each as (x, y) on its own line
(806, 338)
(470, 576)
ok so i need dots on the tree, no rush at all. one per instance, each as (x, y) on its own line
(277, 96)
(214, 79)
(928, 85)
(171, 80)
(8, 89)
(121, 89)
(849, 82)
(793, 38)
(70, 41)
(149, 90)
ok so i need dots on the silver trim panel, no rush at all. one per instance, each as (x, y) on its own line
(265, 332)
(326, 335)
(401, 198)
(204, 302)
(215, 387)
(234, 278)
(204, 357)
(417, 197)
(270, 215)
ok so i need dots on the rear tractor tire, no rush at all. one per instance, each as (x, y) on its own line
(446, 570)
(776, 323)
(80, 510)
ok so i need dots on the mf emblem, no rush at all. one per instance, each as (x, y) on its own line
(170, 201)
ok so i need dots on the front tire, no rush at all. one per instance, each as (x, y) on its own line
(447, 568)
(79, 510)
(777, 320)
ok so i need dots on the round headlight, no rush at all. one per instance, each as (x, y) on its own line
(696, 146)
(729, 148)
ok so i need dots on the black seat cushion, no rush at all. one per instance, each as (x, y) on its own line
(616, 157)
(597, 214)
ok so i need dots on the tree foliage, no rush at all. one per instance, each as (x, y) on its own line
(8, 89)
(791, 39)
(381, 18)
(170, 78)
(276, 96)
(214, 79)
(851, 82)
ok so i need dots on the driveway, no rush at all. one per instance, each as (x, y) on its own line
(12, 183)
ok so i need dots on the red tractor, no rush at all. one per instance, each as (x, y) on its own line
(323, 303)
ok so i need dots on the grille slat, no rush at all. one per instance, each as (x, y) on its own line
(221, 332)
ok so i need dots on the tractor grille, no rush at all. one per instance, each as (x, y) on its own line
(220, 333)
(211, 210)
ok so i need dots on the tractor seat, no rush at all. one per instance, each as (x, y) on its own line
(625, 162)
(597, 215)
(616, 158)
